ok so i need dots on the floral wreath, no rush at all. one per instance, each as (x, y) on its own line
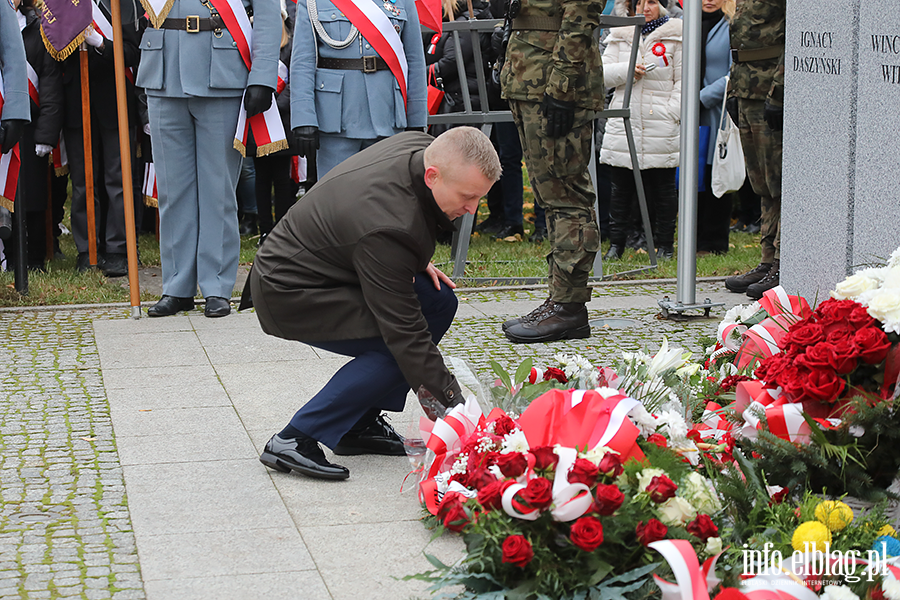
(659, 49)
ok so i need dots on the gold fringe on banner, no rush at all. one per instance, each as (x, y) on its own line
(271, 147)
(240, 147)
(151, 202)
(157, 19)
(65, 52)
(7, 204)
(63, 170)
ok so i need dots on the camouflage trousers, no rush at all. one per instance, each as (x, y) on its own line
(762, 153)
(558, 170)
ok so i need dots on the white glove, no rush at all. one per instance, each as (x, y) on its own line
(147, 128)
(93, 38)
(42, 149)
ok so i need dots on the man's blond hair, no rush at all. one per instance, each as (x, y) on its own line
(463, 146)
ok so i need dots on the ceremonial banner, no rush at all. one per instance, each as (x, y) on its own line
(62, 25)
(151, 194)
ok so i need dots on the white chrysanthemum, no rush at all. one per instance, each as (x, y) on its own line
(747, 311)
(838, 592)
(701, 493)
(885, 306)
(676, 511)
(891, 588)
(672, 424)
(713, 545)
(643, 420)
(646, 476)
(514, 441)
(891, 278)
(894, 260)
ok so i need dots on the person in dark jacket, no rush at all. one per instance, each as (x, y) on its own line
(348, 270)
(40, 136)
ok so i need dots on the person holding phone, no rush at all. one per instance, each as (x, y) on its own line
(655, 122)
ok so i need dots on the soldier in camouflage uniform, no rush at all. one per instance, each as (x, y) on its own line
(755, 102)
(553, 79)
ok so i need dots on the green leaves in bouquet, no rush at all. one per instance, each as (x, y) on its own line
(503, 396)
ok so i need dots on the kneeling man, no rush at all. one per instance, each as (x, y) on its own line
(348, 270)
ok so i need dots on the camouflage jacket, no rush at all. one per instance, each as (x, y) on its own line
(758, 24)
(564, 64)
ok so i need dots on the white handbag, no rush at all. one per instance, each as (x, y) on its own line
(728, 168)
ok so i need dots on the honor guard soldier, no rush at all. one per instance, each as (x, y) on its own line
(16, 108)
(197, 61)
(553, 78)
(357, 76)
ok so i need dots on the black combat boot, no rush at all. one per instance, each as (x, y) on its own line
(771, 280)
(557, 321)
(740, 283)
(536, 313)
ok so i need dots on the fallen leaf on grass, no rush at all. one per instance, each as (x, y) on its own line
(89, 439)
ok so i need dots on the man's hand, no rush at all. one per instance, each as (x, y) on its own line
(94, 38)
(731, 105)
(560, 116)
(11, 131)
(307, 140)
(42, 149)
(774, 116)
(437, 276)
(257, 99)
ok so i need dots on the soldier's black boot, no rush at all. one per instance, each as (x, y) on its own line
(557, 321)
(740, 283)
(536, 313)
(771, 280)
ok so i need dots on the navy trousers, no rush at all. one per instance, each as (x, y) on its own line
(372, 381)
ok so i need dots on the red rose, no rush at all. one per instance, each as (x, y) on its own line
(460, 478)
(661, 488)
(587, 533)
(779, 496)
(844, 357)
(609, 499)
(831, 310)
(610, 465)
(653, 531)
(805, 333)
(873, 345)
(658, 440)
(702, 527)
(491, 495)
(456, 518)
(557, 374)
(583, 471)
(860, 317)
(731, 382)
(538, 493)
(544, 457)
(824, 386)
(770, 368)
(512, 464)
(793, 380)
(817, 357)
(480, 477)
(517, 551)
(504, 425)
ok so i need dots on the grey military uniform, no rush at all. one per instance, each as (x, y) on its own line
(194, 84)
(12, 61)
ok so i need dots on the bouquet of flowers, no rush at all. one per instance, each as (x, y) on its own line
(562, 499)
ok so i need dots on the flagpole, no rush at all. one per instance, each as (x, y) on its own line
(125, 154)
(88, 156)
(48, 215)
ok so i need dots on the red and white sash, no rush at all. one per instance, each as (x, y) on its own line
(9, 168)
(150, 192)
(378, 30)
(60, 158)
(268, 132)
(104, 27)
(298, 169)
(33, 84)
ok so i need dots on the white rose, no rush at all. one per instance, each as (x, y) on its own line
(891, 588)
(676, 511)
(853, 286)
(885, 306)
(713, 545)
(892, 278)
(701, 493)
(838, 592)
(646, 476)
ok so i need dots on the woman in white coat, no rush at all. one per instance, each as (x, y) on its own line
(655, 121)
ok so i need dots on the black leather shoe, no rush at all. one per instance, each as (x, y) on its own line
(615, 252)
(665, 253)
(539, 235)
(217, 307)
(771, 280)
(301, 454)
(489, 225)
(114, 265)
(378, 438)
(83, 262)
(530, 316)
(559, 321)
(169, 305)
(510, 231)
(740, 283)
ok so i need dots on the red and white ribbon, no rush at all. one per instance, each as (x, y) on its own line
(268, 130)
(691, 585)
(298, 169)
(60, 158)
(33, 84)
(104, 27)
(378, 30)
(282, 77)
(9, 168)
(150, 191)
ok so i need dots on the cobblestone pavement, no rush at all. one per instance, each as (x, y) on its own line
(65, 527)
